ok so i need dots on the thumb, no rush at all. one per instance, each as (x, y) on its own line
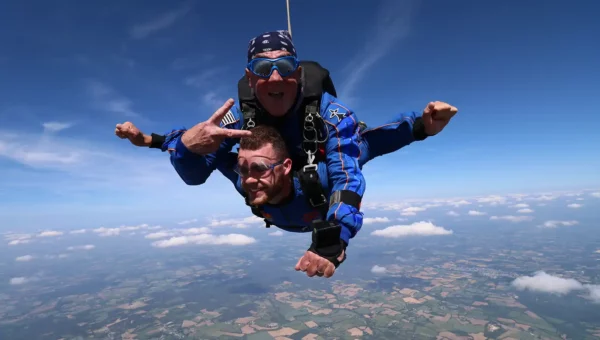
(429, 108)
(298, 263)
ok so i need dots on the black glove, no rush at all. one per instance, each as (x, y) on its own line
(326, 241)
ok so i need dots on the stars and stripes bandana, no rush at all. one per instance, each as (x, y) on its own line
(271, 41)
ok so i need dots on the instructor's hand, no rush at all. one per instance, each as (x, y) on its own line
(129, 131)
(205, 137)
(314, 264)
(436, 116)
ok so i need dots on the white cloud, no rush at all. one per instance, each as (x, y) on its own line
(16, 242)
(551, 284)
(160, 234)
(160, 23)
(16, 239)
(236, 222)
(492, 200)
(416, 229)
(542, 282)
(371, 220)
(458, 203)
(411, 211)
(452, 213)
(56, 126)
(595, 194)
(229, 239)
(545, 197)
(50, 233)
(555, 224)
(378, 270)
(574, 205)
(512, 218)
(203, 230)
(521, 205)
(84, 247)
(525, 211)
(594, 292)
(102, 231)
(476, 213)
(24, 258)
(18, 280)
(276, 233)
(188, 221)
(79, 231)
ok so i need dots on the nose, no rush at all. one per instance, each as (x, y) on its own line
(275, 76)
(249, 180)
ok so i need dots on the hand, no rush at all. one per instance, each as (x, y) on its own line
(131, 132)
(436, 116)
(205, 137)
(314, 264)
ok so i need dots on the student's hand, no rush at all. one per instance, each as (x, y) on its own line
(313, 264)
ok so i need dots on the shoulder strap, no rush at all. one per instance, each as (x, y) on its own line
(317, 80)
(247, 103)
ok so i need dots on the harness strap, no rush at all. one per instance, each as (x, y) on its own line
(312, 188)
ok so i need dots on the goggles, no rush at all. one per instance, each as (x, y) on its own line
(263, 67)
(256, 170)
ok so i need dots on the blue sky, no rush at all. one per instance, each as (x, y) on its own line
(523, 75)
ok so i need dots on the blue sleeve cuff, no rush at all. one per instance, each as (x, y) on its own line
(345, 234)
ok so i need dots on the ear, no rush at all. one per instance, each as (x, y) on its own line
(287, 166)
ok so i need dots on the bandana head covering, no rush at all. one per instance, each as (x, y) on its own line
(271, 41)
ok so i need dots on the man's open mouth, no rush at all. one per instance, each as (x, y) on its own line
(276, 95)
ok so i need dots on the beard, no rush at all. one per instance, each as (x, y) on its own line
(265, 194)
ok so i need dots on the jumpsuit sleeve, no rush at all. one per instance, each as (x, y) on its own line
(342, 151)
(195, 169)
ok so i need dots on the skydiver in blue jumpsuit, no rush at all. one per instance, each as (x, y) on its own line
(280, 90)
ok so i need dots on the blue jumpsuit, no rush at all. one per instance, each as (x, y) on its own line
(347, 149)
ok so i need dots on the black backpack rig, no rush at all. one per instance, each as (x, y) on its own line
(316, 81)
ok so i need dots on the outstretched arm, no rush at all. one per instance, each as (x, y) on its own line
(345, 177)
(197, 152)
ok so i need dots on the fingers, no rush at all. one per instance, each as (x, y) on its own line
(221, 112)
(441, 106)
(329, 270)
(127, 128)
(120, 133)
(318, 265)
(314, 264)
(231, 133)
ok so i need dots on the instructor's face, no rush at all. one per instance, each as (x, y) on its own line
(276, 94)
(263, 174)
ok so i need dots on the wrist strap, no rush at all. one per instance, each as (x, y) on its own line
(157, 141)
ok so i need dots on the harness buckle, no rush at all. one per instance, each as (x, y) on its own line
(322, 200)
(310, 167)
